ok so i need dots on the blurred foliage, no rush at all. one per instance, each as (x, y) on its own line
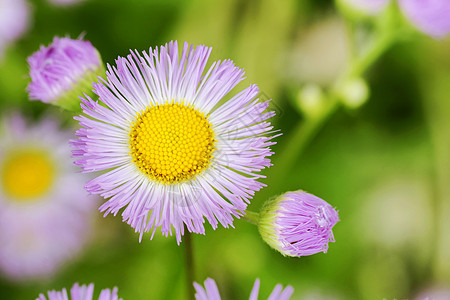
(400, 135)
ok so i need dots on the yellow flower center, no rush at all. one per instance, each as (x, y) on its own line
(171, 142)
(26, 175)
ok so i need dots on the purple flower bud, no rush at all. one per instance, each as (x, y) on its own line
(297, 224)
(84, 292)
(429, 16)
(62, 71)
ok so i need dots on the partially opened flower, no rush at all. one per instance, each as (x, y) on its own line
(429, 16)
(172, 153)
(63, 71)
(297, 224)
(44, 211)
(84, 292)
(211, 292)
(14, 21)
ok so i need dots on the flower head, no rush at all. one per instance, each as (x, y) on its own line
(211, 292)
(14, 21)
(429, 16)
(84, 292)
(297, 224)
(62, 71)
(44, 211)
(171, 153)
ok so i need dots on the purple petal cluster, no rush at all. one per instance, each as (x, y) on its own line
(298, 224)
(430, 16)
(60, 67)
(211, 291)
(83, 292)
(40, 233)
(139, 81)
(14, 21)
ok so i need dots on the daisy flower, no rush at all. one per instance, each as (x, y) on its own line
(429, 16)
(84, 292)
(172, 148)
(44, 211)
(62, 71)
(297, 224)
(211, 292)
(14, 21)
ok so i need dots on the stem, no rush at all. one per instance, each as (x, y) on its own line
(189, 265)
(251, 217)
(304, 132)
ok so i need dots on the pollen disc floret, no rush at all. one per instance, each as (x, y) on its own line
(173, 147)
(171, 142)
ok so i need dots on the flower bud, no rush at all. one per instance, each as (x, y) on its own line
(62, 71)
(297, 224)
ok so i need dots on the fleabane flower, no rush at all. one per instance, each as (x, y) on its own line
(83, 292)
(297, 224)
(62, 71)
(44, 211)
(172, 149)
(14, 21)
(429, 16)
(211, 291)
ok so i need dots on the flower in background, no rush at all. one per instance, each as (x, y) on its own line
(14, 21)
(429, 16)
(84, 292)
(173, 155)
(211, 292)
(62, 71)
(44, 210)
(297, 224)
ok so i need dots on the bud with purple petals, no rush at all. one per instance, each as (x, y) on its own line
(63, 71)
(297, 224)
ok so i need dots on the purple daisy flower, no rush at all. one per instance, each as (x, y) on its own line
(211, 292)
(84, 292)
(297, 224)
(44, 210)
(14, 21)
(62, 71)
(430, 16)
(169, 151)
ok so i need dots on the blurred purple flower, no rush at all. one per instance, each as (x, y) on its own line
(14, 21)
(170, 153)
(211, 292)
(430, 16)
(84, 292)
(44, 210)
(297, 224)
(62, 71)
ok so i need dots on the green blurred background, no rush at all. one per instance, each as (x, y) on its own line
(385, 166)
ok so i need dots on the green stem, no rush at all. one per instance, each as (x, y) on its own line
(251, 217)
(187, 244)
(305, 131)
